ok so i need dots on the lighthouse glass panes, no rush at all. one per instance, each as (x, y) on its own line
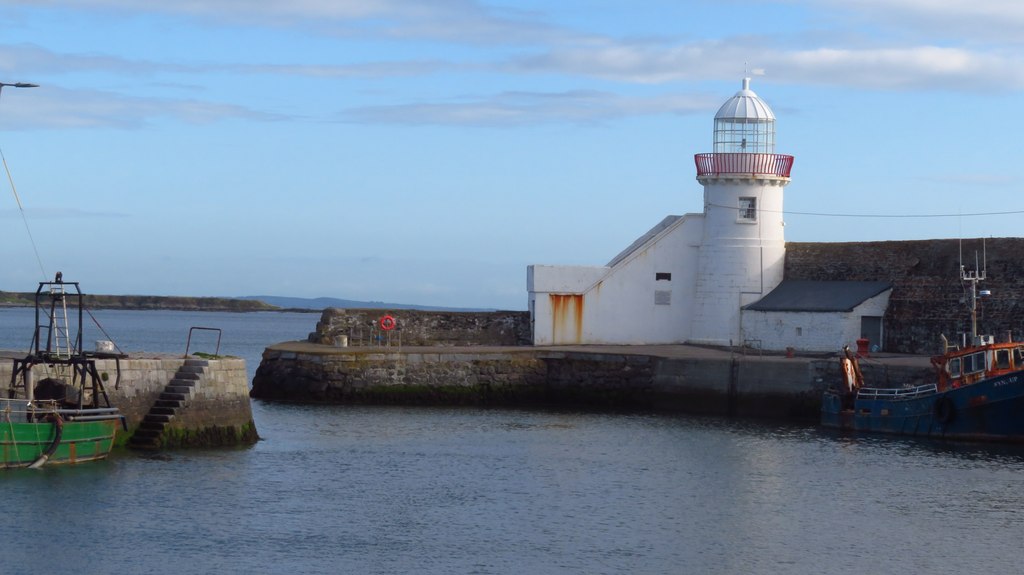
(745, 135)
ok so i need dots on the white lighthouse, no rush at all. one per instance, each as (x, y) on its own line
(687, 278)
(743, 249)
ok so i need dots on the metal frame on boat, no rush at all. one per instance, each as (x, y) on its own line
(65, 416)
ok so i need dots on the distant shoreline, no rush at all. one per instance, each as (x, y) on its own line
(228, 304)
(151, 303)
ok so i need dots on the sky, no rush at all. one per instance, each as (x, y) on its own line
(428, 152)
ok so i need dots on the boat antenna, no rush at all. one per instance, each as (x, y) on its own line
(973, 277)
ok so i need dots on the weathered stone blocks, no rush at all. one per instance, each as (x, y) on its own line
(361, 327)
(218, 411)
(928, 298)
(744, 386)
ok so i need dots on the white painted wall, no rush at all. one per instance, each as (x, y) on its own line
(619, 305)
(740, 261)
(563, 279)
(811, 331)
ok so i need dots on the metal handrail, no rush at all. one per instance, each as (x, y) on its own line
(897, 393)
(718, 163)
(188, 342)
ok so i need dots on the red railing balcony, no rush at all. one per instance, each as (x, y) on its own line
(738, 163)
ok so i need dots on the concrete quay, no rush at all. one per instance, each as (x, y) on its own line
(677, 378)
(172, 401)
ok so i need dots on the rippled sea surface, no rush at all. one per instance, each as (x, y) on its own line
(335, 489)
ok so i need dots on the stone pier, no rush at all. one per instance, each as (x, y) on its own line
(213, 408)
(676, 378)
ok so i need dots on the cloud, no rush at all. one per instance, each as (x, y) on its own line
(895, 62)
(18, 57)
(468, 21)
(362, 70)
(897, 68)
(963, 21)
(50, 107)
(646, 61)
(529, 108)
(234, 8)
(913, 68)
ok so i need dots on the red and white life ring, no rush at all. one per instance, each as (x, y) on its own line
(387, 323)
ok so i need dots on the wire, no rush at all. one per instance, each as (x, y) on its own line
(105, 334)
(35, 249)
(23, 217)
(830, 215)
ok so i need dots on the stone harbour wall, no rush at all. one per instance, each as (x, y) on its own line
(400, 378)
(738, 385)
(361, 327)
(217, 412)
(928, 298)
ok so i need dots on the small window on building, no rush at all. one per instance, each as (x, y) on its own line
(747, 209)
(799, 331)
(658, 276)
(662, 297)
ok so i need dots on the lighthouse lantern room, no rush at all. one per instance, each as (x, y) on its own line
(745, 124)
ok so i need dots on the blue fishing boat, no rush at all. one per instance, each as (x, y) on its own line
(976, 393)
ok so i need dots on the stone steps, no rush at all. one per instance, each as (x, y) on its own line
(175, 397)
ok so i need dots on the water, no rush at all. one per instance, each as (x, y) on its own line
(242, 335)
(338, 489)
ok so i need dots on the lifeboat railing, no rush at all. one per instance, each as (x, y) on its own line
(897, 393)
(724, 163)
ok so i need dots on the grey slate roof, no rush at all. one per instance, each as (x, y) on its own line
(662, 225)
(820, 296)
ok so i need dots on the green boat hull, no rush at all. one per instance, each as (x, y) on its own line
(23, 443)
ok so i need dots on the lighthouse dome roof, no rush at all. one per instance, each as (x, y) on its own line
(745, 105)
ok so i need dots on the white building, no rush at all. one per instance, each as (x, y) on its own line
(818, 316)
(689, 278)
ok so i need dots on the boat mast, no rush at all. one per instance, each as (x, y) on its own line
(974, 277)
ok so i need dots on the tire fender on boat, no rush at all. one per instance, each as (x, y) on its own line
(944, 410)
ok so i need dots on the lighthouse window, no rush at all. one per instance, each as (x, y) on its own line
(748, 210)
(658, 276)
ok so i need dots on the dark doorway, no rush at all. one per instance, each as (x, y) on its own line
(871, 329)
